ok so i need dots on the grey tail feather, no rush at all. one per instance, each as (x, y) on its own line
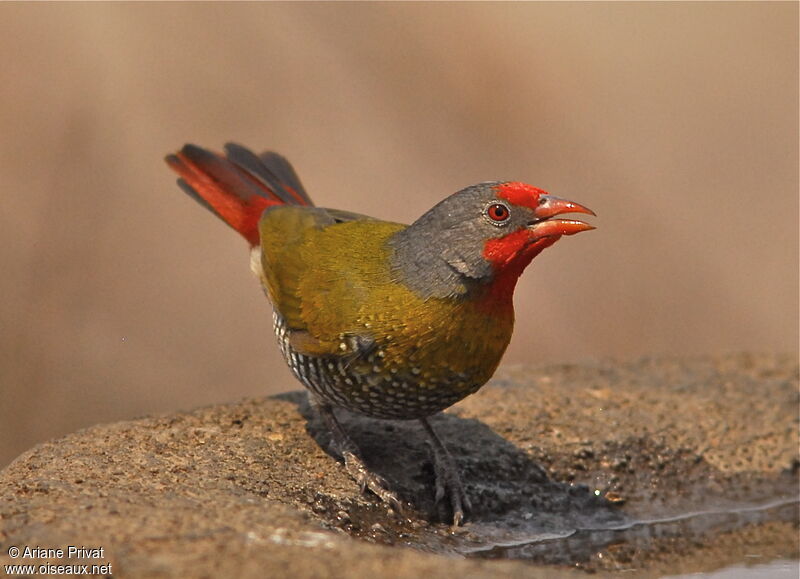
(285, 172)
(274, 172)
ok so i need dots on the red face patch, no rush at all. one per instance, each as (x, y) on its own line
(520, 194)
(500, 251)
(515, 250)
(509, 256)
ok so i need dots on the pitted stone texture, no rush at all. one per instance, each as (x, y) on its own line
(245, 489)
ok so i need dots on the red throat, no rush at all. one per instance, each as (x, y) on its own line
(509, 256)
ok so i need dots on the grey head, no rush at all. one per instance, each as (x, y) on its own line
(442, 254)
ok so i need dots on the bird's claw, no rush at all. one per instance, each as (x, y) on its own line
(449, 483)
(369, 480)
(440, 489)
(353, 463)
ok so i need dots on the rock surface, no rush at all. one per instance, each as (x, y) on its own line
(562, 463)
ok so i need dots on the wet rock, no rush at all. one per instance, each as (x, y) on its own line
(586, 455)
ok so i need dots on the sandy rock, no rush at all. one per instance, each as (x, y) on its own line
(561, 452)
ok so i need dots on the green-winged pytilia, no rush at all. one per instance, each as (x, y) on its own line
(388, 320)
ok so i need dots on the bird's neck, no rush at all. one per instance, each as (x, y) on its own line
(432, 267)
(507, 265)
(497, 296)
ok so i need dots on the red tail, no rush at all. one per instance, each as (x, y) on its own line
(238, 187)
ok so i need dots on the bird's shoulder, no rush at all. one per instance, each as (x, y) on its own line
(320, 268)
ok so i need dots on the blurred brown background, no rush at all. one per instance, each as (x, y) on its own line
(677, 123)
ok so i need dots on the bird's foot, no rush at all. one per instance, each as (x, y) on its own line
(448, 482)
(353, 462)
(370, 480)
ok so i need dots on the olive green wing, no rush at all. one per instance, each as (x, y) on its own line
(318, 267)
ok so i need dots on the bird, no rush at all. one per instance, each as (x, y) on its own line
(387, 320)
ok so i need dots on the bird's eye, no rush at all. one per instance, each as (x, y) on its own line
(498, 213)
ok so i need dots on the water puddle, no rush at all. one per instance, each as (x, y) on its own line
(627, 541)
(780, 569)
(633, 505)
(733, 541)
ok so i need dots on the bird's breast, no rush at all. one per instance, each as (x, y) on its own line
(419, 360)
(358, 337)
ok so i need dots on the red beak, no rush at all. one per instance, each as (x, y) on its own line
(549, 207)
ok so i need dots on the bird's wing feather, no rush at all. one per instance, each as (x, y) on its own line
(320, 270)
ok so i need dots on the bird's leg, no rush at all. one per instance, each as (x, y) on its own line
(447, 479)
(353, 462)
